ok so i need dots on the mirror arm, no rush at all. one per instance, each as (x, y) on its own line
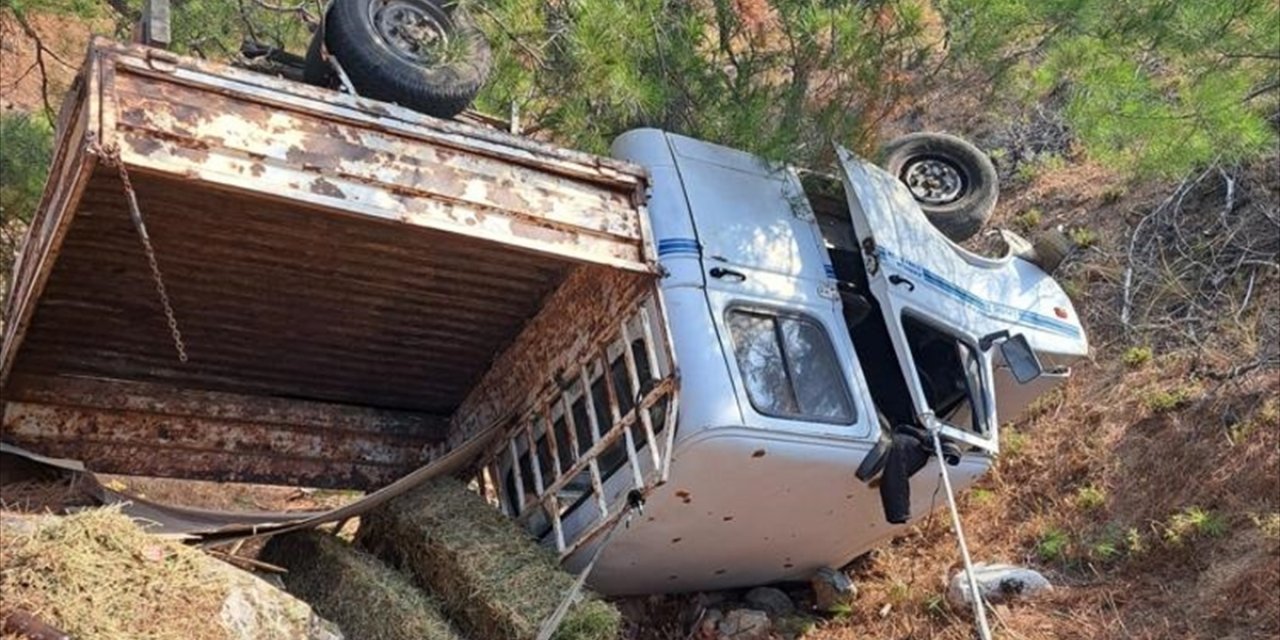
(985, 342)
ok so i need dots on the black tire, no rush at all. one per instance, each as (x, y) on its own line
(315, 71)
(1051, 248)
(378, 69)
(957, 214)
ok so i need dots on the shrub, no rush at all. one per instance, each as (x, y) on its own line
(1194, 522)
(1166, 400)
(1052, 545)
(1028, 220)
(1136, 357)
(24, 165)
(1090, 497)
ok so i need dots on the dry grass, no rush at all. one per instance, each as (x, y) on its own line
(495, 581)
(1148, 489)
(95, 574)
(31, 496)
(368, 599)
(229, 496)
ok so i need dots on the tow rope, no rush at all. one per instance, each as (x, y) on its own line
(552, 624)
(979, 607)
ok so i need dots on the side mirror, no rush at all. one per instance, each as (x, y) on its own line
(1021, 358)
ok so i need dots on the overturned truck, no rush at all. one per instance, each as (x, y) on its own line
(353, 287)
(242, 278)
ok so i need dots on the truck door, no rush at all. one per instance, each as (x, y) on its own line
(771, 294)
(925, 289)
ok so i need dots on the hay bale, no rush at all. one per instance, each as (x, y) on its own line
(494, 580)
(365, 597)
(96, 574)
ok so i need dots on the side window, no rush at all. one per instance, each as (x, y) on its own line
(950, 374)
(789, 366)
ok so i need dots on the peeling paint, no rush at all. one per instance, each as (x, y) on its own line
(319, 252)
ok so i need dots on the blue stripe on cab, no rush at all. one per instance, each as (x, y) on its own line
(1013, 314)
(680, 246)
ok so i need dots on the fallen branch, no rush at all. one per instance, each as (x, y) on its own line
(30, 32)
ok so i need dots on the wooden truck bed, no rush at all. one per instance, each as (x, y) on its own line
(343, 273)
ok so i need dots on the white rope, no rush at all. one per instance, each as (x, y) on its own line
(552, 624)
(979, 608)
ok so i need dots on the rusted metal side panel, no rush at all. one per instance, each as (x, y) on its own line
(179, 119)
(150, 429)
(572, 323)
(69, 173)
(277, 300)
(322, 254)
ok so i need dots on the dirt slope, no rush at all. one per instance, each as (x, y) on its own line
(1149, 488)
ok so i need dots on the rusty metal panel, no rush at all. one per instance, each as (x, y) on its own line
(151, 429)
(186, 120)
(68, 176)
(276, 300)
(316, 248)
(582, 313)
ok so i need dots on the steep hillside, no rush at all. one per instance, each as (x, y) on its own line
(1148, 490)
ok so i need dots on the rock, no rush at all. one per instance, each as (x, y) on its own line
(770, 600)
(256, 609)
(998, 584)
(745, 624)
(833, 590)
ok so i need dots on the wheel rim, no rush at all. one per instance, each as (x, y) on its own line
(414, 31)
(933, 180)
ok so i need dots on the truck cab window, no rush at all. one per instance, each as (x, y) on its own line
(789, 367)
(950, 372)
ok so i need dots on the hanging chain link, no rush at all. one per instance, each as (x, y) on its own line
(111, 157)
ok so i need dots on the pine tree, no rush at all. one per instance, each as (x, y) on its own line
(1154, 87)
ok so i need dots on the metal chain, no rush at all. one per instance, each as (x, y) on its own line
(111, 156)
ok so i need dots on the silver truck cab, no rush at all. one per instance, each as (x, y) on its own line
(803, 327)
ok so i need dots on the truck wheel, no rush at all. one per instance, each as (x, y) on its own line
(422, 54)
(953, 181)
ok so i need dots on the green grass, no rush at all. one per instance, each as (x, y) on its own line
(1268, 523)
(936, 606)
(1028, 220)
(1028, 171)
(1135, 543)
(1052, 545)
(1136, 357)
(1013, 442)
(1084, 237)
(1194, 522)
(1105, 550)
(1090, 497)
(982, 496)
(1166, 400)
(899, 592)
(1266, 415)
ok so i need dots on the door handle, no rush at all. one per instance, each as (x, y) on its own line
(897, 279)
(721, 273)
